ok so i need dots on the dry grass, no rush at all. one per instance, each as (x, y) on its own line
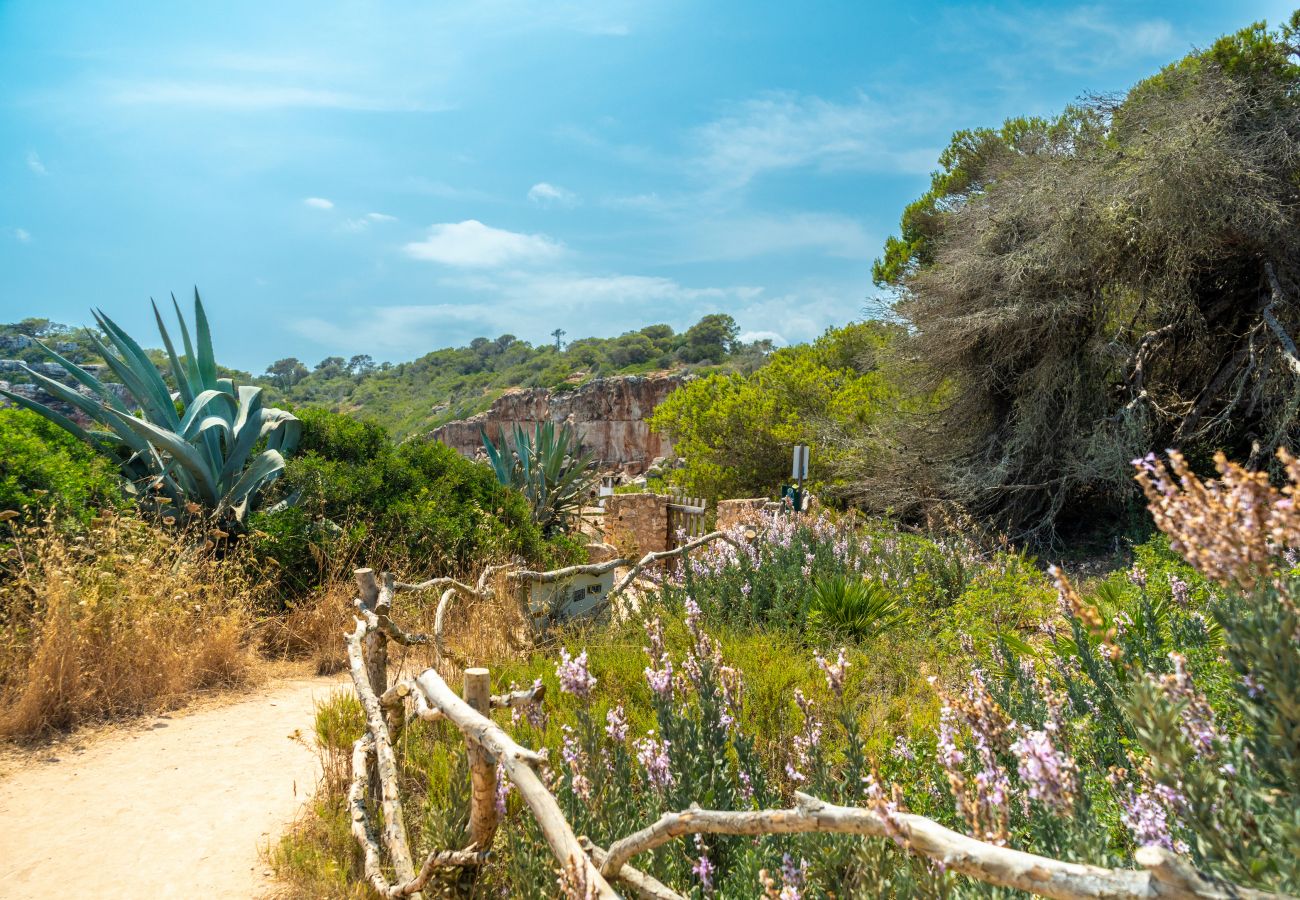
(122, 620)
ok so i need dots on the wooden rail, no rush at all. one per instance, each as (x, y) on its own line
(590, 870)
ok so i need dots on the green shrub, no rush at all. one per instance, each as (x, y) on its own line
(44, 467)
(853, 608)
(418, 508)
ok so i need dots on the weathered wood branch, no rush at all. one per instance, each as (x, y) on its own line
(435, 583)
(439, 622)
(651, 558)
(483, 818)
(519, 699)
(394, 832)
(1165, 876)
(1289, 351)
(515, 761)
(560, 574)
(644, 886)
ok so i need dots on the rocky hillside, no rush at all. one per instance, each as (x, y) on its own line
(608, 414)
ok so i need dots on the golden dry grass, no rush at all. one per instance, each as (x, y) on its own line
(122, 620)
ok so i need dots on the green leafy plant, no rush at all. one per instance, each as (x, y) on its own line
(217, 448)
(548, 467)
(849, 607)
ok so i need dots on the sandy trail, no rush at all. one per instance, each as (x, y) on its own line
(176, 808)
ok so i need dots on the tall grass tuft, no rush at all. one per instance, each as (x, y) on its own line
(123, 619)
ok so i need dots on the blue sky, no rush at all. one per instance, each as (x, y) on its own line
(390, 178)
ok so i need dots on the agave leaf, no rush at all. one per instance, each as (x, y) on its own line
(183, 453)
(56, 417)
(84, 377)
(128, 376)
(260, 473)
(200, 404)
(191, 361)
(179, 375)
(203, 334)
(134, 356)
(247, 430)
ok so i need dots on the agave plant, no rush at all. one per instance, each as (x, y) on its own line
(548, 467)
(853, 608)
(189, 449)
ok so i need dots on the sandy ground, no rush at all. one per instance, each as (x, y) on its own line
(176, 807)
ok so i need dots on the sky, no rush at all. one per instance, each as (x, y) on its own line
(389, 178)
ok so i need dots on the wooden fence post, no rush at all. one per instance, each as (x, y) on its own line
(483, 818)
(376, 641)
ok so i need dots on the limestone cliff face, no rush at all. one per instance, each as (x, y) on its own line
(608, 415)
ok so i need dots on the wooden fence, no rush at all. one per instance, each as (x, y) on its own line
(686, 519)
(592, 871)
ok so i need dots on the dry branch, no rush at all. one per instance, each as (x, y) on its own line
(1165, 876)
(644, 886)
(1289, 351)
(651, 558)
(560, 574)
(386, 761)
(517, 764)
(483, 818)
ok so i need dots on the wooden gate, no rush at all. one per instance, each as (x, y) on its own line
(685, 519)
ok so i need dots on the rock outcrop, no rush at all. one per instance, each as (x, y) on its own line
(608, 415)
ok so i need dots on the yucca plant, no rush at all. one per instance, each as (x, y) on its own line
(853, 608)
(191, 450)
(548, 467)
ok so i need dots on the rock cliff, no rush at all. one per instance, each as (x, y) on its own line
(608, 414)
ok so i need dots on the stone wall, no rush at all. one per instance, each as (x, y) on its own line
(739, 512)
(608, 415)
(637, 524)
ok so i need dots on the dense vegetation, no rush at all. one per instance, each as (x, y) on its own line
(1120, 277)
(457, 382)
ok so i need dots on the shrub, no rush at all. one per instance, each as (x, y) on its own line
(418, 508)
(44, 467)
(125, 620)
(852, 608)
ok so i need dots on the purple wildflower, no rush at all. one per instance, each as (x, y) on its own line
(1047, 773)
(576, 760)
(653, 757)
(1146, 814)
(616, 724)
(573, 675)
(903, 749)
(703, 868)
(1138, 576)
(504, 787)
(1179, 589)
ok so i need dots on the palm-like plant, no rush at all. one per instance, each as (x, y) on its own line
(201, 453)
(548, 467)
(852, 608)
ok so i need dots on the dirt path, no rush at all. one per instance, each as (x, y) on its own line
(176, 808)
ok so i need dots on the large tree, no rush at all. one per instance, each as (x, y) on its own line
(1123, 277)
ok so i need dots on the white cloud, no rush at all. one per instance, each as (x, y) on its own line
(22, 235)
(318, 203)
(364, 222)
(1083, 40)
(748, 337)
(256, 97)
(475, 245)
(34, 163)
(545, 194)
(787, 130)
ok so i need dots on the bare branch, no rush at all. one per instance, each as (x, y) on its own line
(651, 558)
(516, 763)
(643, 885)
(560, 574)
(394, 832)
(1289, 351)
(1166, 875)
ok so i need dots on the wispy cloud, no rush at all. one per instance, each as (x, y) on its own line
(546, 194)
(34, 163)
(1086, 39)
(258, 97)
(788, 130)
(318, 203)
(472, 244)
(361, 223)
(22, 235)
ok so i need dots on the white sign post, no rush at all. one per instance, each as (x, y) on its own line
(799, 471)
